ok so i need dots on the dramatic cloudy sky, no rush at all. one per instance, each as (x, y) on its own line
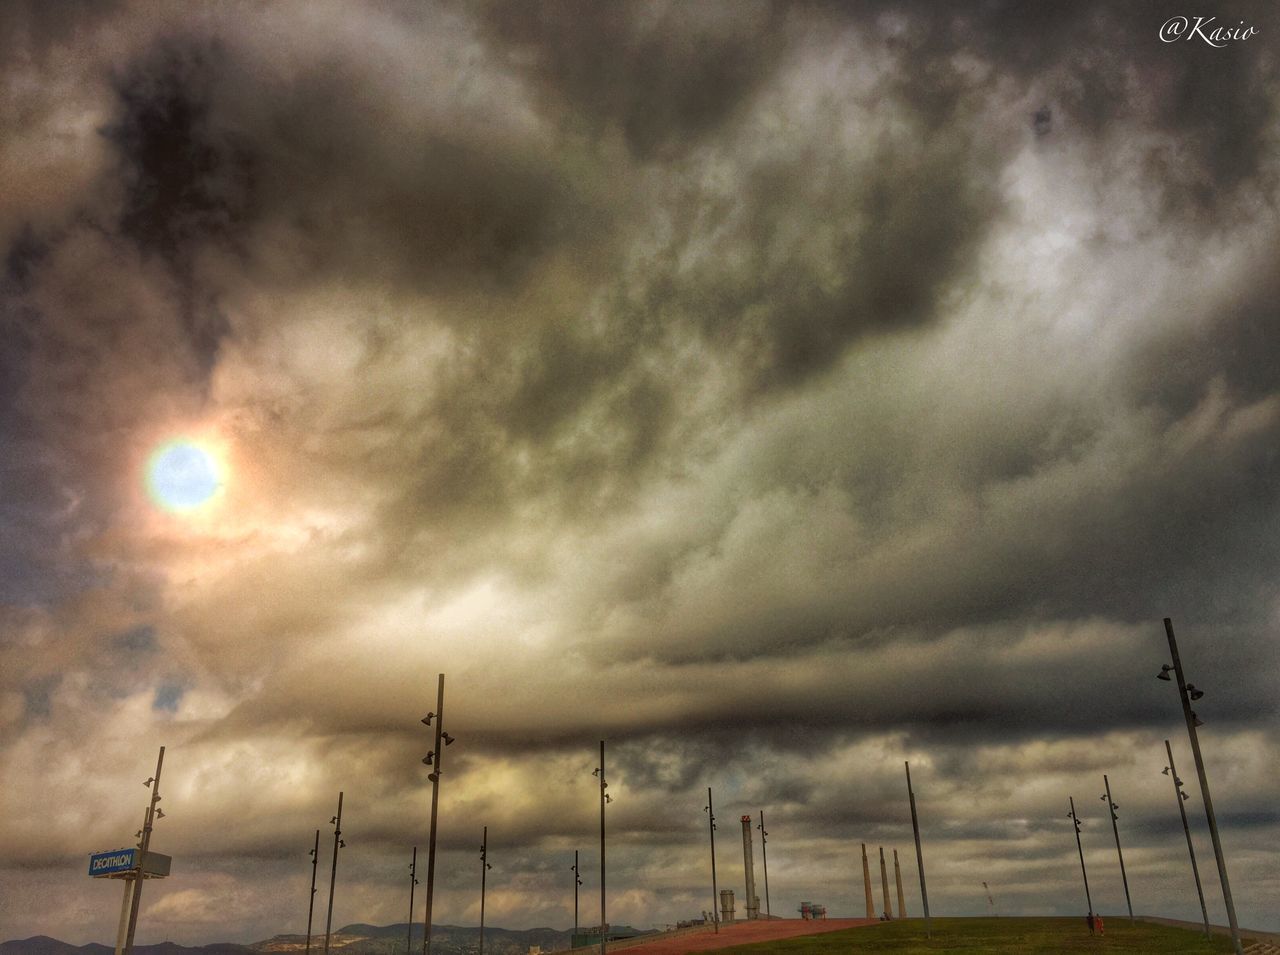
(777, 391)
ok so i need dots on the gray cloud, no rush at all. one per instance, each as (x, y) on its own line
(756, 388)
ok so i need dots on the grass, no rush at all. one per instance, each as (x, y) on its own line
(1008, 936)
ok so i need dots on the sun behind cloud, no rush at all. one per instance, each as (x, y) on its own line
(184, 475)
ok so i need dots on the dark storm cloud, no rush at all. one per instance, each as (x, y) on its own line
(810, 264)
(218, 140)
(666, 76)
(760, 388)
(35, 25)
(1104, 69)
(183, 181)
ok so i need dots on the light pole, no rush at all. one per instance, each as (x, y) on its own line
(1111, 808)
(915, 827)
(413, 880)
(884, 887)
(434, 759)
(866, 883)
(764, 857)
(1182, 796)
(314, 852)
(604, 798)
(148, 822)
(1187, 692)
(577, 881)
(715, 889)
(897, 877)
(1075, 820)
(336, 822)
(484, 871)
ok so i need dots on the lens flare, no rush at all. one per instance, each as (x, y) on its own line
(181, 476)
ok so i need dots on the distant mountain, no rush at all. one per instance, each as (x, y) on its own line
(43, 945)
(361, 939)
(356, 939)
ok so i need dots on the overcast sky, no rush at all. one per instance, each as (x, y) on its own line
(777, 391)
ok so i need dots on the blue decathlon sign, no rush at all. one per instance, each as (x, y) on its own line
(110, 863)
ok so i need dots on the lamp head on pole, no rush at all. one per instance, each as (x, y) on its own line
(1164, 673)
(1193, 692)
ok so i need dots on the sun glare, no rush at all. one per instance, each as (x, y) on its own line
(182, 476)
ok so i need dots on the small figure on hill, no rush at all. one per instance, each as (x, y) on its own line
(1088, 920)
(1097, 920)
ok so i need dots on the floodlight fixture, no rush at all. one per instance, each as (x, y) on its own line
(426, 720)
(159, 813)
(448, 740)
(150, 780)
(1164, 673)
(1193, 692)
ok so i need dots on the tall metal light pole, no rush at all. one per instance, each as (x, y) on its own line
(148, 822)
(1075, 821)
(434, 759)
(915, 827)
(715, 889)
(311, 900)
(1181, 795)
(577, 881)
(897, 877)
(866, 883)
(749, 867)
(764, 857)
(413, 880)
(484, 871)
(1112, 807)
(336, 822)
(1187, 692)
(604, 798)
(884, 887)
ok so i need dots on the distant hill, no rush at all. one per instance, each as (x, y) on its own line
(361, 939)
(356, 939)
(43, 945)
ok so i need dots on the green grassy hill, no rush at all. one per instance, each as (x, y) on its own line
(1001, 936)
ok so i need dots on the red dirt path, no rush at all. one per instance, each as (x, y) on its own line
(744, 933)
